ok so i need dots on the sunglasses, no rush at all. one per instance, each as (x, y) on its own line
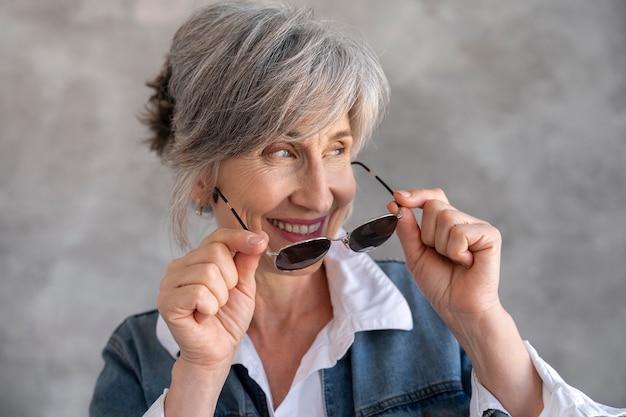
(305, 253)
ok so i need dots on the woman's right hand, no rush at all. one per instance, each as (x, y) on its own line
(207, 296)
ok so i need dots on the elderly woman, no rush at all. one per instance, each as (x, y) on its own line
(260, 111)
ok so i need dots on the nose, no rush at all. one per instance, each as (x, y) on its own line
(314, 189)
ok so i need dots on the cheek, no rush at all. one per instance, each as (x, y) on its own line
(224, 218)
(344, 194)
(345, 190)
(251, 191)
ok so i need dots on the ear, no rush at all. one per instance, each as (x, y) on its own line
(200, 194)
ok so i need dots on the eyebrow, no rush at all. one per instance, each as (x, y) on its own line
(341, 134)
(334, 136)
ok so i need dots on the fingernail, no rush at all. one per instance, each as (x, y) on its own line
(404, 193)
(255, 240)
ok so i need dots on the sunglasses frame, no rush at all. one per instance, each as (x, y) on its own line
(345, 239)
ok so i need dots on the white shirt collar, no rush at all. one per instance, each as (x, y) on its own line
(363, 299)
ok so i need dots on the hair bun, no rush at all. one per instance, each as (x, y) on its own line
(159, 111)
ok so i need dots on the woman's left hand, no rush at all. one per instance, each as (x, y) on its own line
(454, 257)
(455, 261)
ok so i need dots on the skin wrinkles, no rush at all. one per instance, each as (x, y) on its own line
(290, 181)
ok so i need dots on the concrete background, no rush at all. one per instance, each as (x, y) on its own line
(516, 109)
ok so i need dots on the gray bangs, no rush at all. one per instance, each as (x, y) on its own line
(241, 75)
(272, 72)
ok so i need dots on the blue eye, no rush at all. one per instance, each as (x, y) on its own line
(282, 153)
(338, 151)
(278, 151)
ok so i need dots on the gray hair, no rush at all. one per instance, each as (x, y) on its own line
(241, 74)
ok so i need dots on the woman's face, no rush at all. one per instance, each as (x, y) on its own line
(292, 191)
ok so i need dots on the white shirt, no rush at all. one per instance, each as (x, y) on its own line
(376, 306)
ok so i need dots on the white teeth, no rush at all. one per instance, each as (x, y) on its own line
(300, 229)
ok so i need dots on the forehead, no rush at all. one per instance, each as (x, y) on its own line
(333, 129)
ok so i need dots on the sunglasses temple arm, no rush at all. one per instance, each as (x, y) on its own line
(373, 174)
(217, 192)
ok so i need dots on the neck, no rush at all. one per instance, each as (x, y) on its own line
(290, 311)
(284, 300)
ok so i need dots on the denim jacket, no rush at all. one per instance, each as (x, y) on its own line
(421, 372)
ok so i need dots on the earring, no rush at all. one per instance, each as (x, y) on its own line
(198, 207)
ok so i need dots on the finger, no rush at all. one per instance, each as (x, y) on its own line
(447, 223)
(408, 232)
(208, 275)
(429, 200)
(191, 300)
(475, 242)
(235, 270)
(456, 246)
(196, 267)
(219, 247)
(443, 228)
(212, 277)
(437, 218)
(247, 264)
(236, 240)
(416, 198)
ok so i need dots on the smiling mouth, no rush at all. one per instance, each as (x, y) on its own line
(298, 229)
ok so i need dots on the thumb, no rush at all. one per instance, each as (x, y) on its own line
(247, 260)
(409, 234)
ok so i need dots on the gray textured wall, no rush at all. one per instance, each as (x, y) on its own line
(517, 109)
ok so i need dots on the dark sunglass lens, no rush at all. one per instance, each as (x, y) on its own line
(372, 234)
(301, 255)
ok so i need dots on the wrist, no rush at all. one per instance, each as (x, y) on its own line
(194, 389)
(500, 359)
(468, 323)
